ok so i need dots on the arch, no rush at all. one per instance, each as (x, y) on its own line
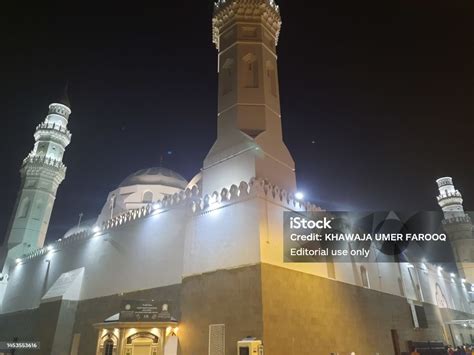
(147, 197)
(147, 335)
(108, 344)
(272, 77)
(226, 76)
(365, 277)
(108, 347)
(250, 70)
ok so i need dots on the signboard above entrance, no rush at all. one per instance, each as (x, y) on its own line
(145, 311)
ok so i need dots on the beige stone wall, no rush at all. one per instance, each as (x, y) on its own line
(230, 297)
(306, 315)
(292, 312)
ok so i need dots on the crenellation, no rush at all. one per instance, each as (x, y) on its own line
(196, 205)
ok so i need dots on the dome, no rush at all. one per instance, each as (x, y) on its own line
(83, 227)
(156, 176)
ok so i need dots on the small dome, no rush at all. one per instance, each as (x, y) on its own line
(83, 227)
(156, 176)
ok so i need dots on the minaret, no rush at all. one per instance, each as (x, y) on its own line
(458, 226)
(249, 134)
(41, 173)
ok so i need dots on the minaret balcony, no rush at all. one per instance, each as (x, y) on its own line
(220, 3)
(229, 12)
(455, 193)
(43, 161)
(450, 201)
(458, 220)
(54, 131)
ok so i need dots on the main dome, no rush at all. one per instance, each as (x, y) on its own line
(156, 176)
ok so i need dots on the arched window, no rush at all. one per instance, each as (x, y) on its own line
(108, 347)
(365, 277)
(24, 208)
(250, 71)
(271, 74)
(226, 76)
(147, 197)
(38, 210)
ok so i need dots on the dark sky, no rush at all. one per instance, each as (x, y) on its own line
(384, 88)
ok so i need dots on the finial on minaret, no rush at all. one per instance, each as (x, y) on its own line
(64, 98)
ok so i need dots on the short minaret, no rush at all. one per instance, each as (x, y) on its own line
(249, 134)
(458, 226)
(41, 173)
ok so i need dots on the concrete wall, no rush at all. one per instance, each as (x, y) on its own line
(223, 238)
(142, 254)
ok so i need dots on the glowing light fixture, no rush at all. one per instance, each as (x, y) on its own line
(299, 195)
(49, 248)
(96, 229)
(18, 260)
(452, 275)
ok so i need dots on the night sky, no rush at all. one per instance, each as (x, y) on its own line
(377, 97)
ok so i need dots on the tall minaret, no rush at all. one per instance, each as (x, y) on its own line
(41, 173)
(458, 226)
(249, 134)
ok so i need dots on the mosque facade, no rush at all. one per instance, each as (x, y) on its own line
(171, 266)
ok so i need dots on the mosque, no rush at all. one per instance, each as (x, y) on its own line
(171, 266)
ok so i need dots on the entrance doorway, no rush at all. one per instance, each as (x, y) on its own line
(142, 348)
(143, 343)
(137, 338)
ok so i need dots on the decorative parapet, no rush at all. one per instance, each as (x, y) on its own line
(228, 11)
(452, 200)
(458, 220)
(38, 162)
(190, 198)
(447, 194)
(54, 131)
(218, 5)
